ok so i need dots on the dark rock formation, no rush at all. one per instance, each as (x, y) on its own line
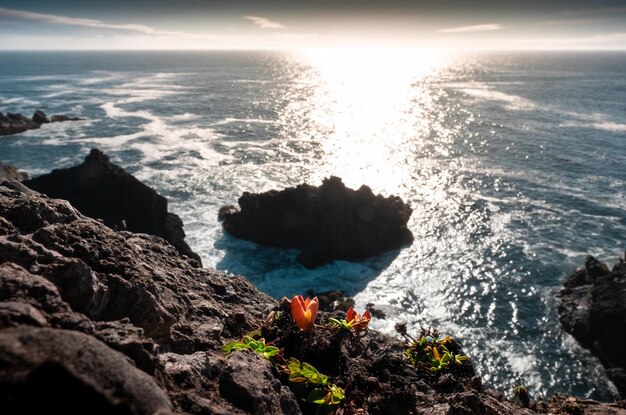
(593, 309)
(10, 172)
(327, 222)
(75, 372)
(94, 320)
(40, 117)
(17, 123)
(123, 291)
(62, 118)
(102, 190)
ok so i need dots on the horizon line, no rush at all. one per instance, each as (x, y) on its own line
(277, 49)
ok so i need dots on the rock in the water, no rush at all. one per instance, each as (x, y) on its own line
(327, 222)
(62, 118)
(592, 308)
(17, 123)
(40, 117)
(10, 172)
(102, 190)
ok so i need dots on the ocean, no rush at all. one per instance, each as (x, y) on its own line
(514, 165)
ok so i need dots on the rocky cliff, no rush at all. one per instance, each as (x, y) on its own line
(103, 190)
(94, 320)
(592, 308)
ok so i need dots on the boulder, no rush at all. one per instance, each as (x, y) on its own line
(40, 117)
(102, 190)
(69, 372)
(326, 223)
(592, 308)
(10, 172)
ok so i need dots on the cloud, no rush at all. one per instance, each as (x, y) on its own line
(264, 22)
(73, 21)
(558, 22)
(475, 28)
(595, 12)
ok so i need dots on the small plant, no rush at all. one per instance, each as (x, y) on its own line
(430, 351)
(248, 342)
(304, 372)
(322, 392)
(353, 321)
(304, 312)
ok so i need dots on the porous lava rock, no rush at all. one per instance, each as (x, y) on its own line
(96, 320)
(103, 190)
(326, 222)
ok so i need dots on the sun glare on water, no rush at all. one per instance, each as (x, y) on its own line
(368, 102)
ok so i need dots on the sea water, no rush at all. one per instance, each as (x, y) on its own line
(514, 165)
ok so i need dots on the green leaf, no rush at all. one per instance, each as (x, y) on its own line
(340, 323)
(337, 394)
(317, 396)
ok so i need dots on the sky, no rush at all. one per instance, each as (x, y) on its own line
(295, 24)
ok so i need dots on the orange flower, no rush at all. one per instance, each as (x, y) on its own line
(304, 312)
(357, 321)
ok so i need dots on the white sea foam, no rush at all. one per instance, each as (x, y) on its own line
(101, 77)
(160, 140)
(513, 102)
(487, 92)
(596, 120)
(226, 121)
(184, 117)
(19, 101)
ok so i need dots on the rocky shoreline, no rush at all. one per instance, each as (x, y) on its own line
(104, 313)
(95, 317)
(17, 123)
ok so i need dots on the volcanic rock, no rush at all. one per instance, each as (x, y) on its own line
(17, 123)
(102, 190)
(94, 320)
(132, 293)
(592, 308)
(68, 372)
(327, 222)
(40, 117)
(10, 172)
(63, 118)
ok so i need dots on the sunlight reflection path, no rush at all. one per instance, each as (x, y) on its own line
(367, 106)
